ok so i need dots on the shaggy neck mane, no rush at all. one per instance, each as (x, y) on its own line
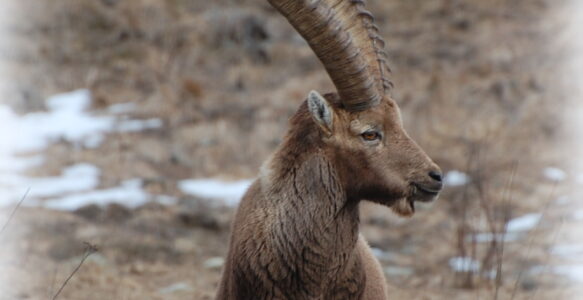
(315, 227)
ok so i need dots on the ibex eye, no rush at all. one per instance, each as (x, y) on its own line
(371, 136)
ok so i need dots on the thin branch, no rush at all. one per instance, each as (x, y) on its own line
(14, 211)
(531, 242)
(547, 262)
(51, 288)
(499, 250)
(90, 249)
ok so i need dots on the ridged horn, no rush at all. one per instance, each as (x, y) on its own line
(346, 40)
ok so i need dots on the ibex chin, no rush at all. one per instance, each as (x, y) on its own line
(295, 235)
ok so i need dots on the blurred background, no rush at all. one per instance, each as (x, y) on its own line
(129, 129)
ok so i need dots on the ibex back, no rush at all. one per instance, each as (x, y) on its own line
(295, 235)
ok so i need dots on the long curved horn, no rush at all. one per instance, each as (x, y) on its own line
(346, 40)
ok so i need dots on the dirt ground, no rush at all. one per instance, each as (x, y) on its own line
(478, 82)
(159, 252)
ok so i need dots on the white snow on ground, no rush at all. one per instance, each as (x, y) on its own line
(515, 229)
(121, 108)
(229, 192)
(67, 119)
(138, 125)
(10, 164)
(573, 272)
(563, 200)
(487, 237)
(554, 174)
(464, 264)
(456, 178)
(34, 131)
(76, 178)
(524, 223)
(568, 250)
(130, 194)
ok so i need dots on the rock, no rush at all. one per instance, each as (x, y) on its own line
(90, 212)
(117, 212)
(199, 219)
(528, 284)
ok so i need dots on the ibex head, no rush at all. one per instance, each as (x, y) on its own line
(360, 127)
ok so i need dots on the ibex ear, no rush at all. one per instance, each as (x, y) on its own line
(321, 111)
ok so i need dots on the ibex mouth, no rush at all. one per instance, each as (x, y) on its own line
(406, 206)
(427, 190)
(425, 193)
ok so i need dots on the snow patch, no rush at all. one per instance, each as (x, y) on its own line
(524, 223)
(487, 237)
(20, 164)
(138, 125)
(464, 264)
(76, 178)
(74, 102)
(129, 194)
(456, 178)
(229, 192)
(67, 119)
(563, 200)
(554, 174)
(121, 108)
(64, 120)
(573, 272)
(568, 250)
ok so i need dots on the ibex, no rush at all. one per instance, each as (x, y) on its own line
(295, 234)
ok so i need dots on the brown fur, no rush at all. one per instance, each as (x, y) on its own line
(295, 235)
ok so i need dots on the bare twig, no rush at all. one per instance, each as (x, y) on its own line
(531, 242)
(499, 250)
(89, 249)
(547, 262)
(14, 212)
(51, 288)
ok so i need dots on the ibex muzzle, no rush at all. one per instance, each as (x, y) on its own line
(295, 235)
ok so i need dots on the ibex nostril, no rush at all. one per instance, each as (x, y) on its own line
(436, 175)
